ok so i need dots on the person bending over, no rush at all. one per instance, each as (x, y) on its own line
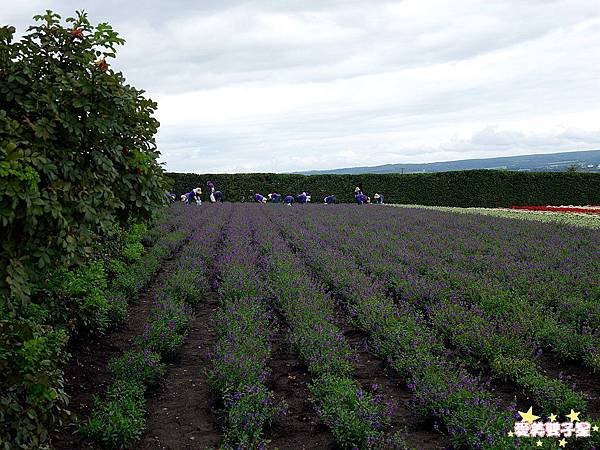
(303, 198)
(274, 197)
(361, 198)
(259, 198)
(216, 196)
(330, 199)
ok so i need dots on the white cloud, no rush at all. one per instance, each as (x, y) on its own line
(295, 85)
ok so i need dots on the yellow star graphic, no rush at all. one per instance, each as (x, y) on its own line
(528, 416)
(552, 417)
(595, 428)
(562, 442)
(573, 416)
(539, 443)
(511, 434)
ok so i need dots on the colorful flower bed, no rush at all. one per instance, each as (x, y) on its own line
(562, 209)
(578, 220)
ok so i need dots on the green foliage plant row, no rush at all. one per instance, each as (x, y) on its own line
(448, 394)
(239, 358)
(33, 346)
(357, 417)
(118, 420)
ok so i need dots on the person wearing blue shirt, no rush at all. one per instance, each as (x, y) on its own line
(303, 198)
(288, 200)
(274, 197)
(330, 199)
(259, 198)
(216, 196)
(361, 198)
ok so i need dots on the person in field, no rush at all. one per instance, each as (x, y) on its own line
(259, 198)
(170, 197)
(378, 199)
(211, 191)
(197, 195)
(274, 197)
(361, 198)
(192, 197)
(288, 200)
(357, 191)
(303, 198)
(216, 196)
(329, 200)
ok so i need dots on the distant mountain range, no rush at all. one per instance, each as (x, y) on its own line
(586, 161)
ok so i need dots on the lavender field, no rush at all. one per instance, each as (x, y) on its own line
(347, 326)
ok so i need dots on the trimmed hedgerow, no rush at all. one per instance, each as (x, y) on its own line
(483, 188)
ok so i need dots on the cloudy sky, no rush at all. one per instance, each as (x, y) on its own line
(278, 85)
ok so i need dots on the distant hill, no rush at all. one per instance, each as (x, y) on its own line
(586, 161)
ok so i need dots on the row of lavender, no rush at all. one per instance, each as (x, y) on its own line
(504, 345)
(475, 280)
(239, 358)
(254, 278)
(356, 248)
(118, 420)
(546, 276)
(357, 415)
(399, 333)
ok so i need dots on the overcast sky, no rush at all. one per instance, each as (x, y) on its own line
(276, 85)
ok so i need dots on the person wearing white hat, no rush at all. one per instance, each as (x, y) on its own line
(197, 193)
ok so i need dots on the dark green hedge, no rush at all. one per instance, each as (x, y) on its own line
(485, 188)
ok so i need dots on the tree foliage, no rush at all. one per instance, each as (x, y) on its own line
(77, 147)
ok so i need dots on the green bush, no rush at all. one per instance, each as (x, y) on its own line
(119, 421)
(161, 336)
(143, 367)
(78, 163)
(485, 188)
(79, 295)
(133, 251)
(77, 148)
(31, 385)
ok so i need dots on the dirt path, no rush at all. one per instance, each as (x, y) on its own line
(87, 373)
(580, 378)
(300, 427)
(372, 370)
(180, 412)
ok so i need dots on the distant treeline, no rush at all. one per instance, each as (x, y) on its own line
(483, 188)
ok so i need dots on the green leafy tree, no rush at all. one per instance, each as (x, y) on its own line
(77, 148)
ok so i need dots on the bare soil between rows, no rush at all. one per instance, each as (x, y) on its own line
(299, 428)
(87, 374)
(370, 370)
(181, 413)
